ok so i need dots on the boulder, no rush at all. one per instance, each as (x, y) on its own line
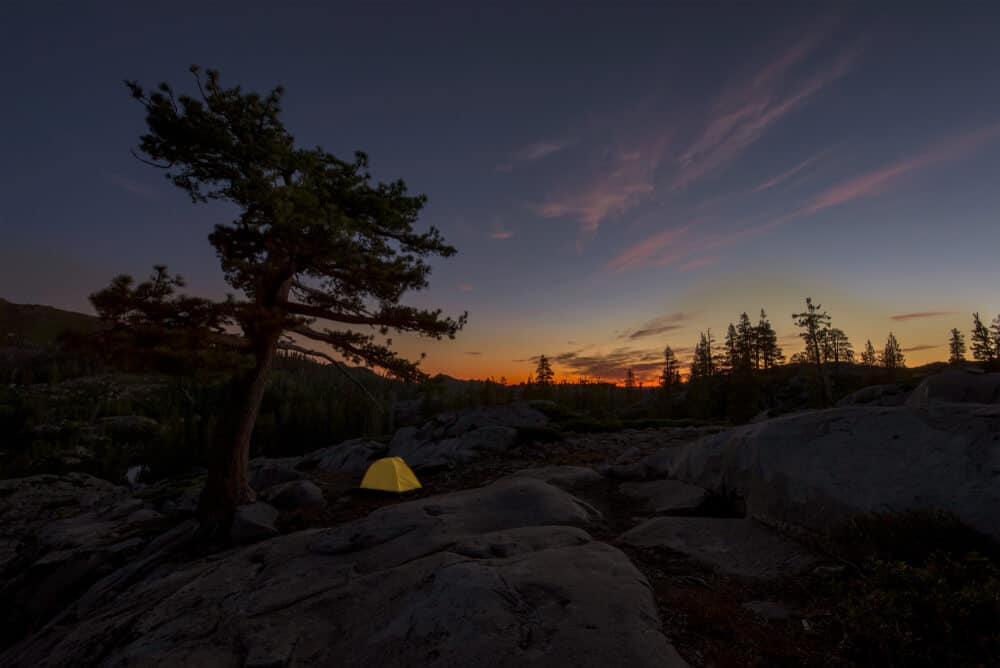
(57, 511)
(451, 451)
(956, 387)
(733, 546)
(666, 497)
(295, 495)
(876, 395)
(563, 476)
(266, 472)
(460, 437)
(352, 456)
(502, 575)
(253, 522)
(60, 535)
(819, 468)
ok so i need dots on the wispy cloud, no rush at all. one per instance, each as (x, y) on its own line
(786, 175)
(644, 157)
(130, 185)
(505, 167)
(473, 352)
(658, 325)
(923, 346)
(921, 314)
(878, 181)
(501, 235)
(465, 287)
(643, 252)
(539, 150)
(747, 108)
(697, 264)
(608, 195)
(613, 365)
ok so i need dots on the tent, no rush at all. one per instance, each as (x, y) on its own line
(390, 474)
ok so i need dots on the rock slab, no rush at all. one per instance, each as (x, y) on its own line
(732, 546)
(503, 575)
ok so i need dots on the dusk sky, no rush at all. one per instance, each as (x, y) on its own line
(616, 177)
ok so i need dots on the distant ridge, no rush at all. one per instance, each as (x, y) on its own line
(38, 325)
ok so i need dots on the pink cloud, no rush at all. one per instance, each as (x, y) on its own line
(881, 180)
(876, 182)
(501, 235)
(697, 264)
(641, 253)
(465, 287)
(745, 110)
(922, 314)
(618, 185)
(784, 176)
(539, 150)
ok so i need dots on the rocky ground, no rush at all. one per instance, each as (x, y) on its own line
(665, 547)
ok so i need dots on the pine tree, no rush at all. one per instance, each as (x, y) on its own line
(836, 347)
(892, 354)
(983, 348)
(768, 354)
(703, 365)
(730, 355)
(311, 238)
(814, 324)
(956, 347)
(869, 357)
(543, 372)
(995, 336)
(671, 376)
(746, 343)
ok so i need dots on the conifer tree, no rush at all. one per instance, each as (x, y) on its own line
(703, 365)
(671, 376)
(730, 354)
(768, 353)
(983, 348)
(814, 323)
(746, 343)
(630, 384)
(892, 354)
(543, 372)
(313, 239)
(995, 336)
(869, 357)
(956, 347)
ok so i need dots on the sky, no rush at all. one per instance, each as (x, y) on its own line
(616, 176)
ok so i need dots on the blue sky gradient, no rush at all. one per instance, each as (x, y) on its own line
(599, 168)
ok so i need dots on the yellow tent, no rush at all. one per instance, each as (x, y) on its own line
(390, 474)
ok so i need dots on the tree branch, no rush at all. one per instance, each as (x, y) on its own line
(335, 363)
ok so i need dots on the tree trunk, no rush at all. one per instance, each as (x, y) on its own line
(228, 485)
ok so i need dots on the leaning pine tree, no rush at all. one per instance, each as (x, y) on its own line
(314, 241)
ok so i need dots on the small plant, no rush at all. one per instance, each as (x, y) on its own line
(926, 593)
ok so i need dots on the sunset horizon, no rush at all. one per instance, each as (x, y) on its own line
(745, 172)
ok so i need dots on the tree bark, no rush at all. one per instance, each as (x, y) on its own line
(228, 484)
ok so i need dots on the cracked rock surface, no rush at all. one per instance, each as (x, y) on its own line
(502, 575)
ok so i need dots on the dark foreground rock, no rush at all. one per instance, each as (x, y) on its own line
(503, 575)
(666, 497)
(818, 469)
(733, 546)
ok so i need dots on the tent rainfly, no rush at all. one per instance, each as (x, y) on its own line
(390, 474)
